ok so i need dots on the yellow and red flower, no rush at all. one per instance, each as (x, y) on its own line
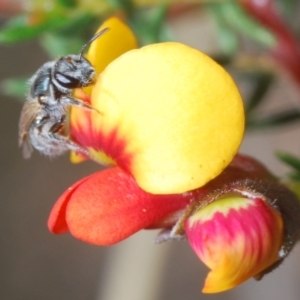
(171, 120)
(170, 115)
(108, 206)
(237, 238)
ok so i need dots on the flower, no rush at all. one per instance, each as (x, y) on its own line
(236, 237)
(171, 120)
(108, 206)
(169, 115)
(242, 224)
(100, 54)
(245, 229)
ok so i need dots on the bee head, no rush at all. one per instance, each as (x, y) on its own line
(75, 71)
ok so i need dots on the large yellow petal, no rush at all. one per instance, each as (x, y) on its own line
(177, 115)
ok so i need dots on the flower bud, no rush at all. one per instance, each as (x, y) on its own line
(245, 231)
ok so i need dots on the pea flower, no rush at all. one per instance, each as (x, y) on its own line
(235, 237)
(241, 233)
(108, 206)
(242, 224)
(170, 115)
(170, 121)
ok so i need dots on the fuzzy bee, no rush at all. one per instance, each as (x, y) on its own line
(43, 115)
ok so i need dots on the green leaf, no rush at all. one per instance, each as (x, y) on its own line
(67, 3)
(288, 10)
(79, 24)
(166, 34)
(231, 13)
(280, 118)
(57, 45)
(227, 38)
(263, 82)
(19, 28)
(290, 160)
(124, 5)
(15, 87)
(70, 37)
(294, 176)
(149, 24)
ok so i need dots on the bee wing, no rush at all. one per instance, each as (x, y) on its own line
(27, 149)
(28, 114)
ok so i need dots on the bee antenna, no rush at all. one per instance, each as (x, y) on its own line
(91, 40)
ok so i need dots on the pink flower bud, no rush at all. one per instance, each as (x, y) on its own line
(243, 232)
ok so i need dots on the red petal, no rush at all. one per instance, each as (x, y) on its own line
(57, 219)
(108, 207)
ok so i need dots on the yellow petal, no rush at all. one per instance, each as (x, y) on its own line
(179, 114)
(118, 40)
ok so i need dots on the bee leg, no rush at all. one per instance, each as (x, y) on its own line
(56, 133)
(74, 146)
(79, 103)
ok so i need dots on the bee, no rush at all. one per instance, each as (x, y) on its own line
(43, 116)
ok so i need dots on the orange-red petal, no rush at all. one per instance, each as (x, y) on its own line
(108, 206)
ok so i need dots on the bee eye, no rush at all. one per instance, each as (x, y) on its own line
(67, 81)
